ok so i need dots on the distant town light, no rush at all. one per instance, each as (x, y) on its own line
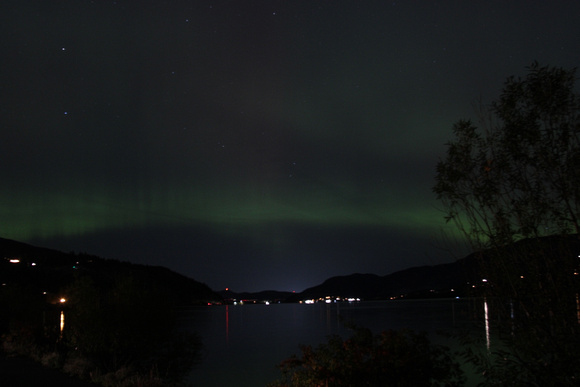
(62, 300)
(15, 261)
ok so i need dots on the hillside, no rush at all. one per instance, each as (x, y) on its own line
(424, 281)
(437, 280)
(50, 271)
(445, 280)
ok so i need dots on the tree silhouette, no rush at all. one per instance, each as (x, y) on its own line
(512, 187)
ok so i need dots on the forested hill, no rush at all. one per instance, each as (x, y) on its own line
(445, 280)
(51, 271)
(439, 280)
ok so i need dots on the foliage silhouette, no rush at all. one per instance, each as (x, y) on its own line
(391, 358)
(511, 186)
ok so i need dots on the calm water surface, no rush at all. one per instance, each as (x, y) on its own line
(244, 343)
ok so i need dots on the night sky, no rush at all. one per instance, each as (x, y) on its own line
(251, 144)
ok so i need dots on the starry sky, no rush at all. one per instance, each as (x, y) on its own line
(251, 144)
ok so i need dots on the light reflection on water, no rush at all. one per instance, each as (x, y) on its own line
(61, 322)
(486, 319)
(244, 343)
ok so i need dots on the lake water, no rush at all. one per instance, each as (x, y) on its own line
(244, 343)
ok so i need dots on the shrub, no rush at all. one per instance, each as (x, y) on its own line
(391, 358)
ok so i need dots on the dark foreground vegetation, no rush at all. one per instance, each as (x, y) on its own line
(108, 322)
(391, 358)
